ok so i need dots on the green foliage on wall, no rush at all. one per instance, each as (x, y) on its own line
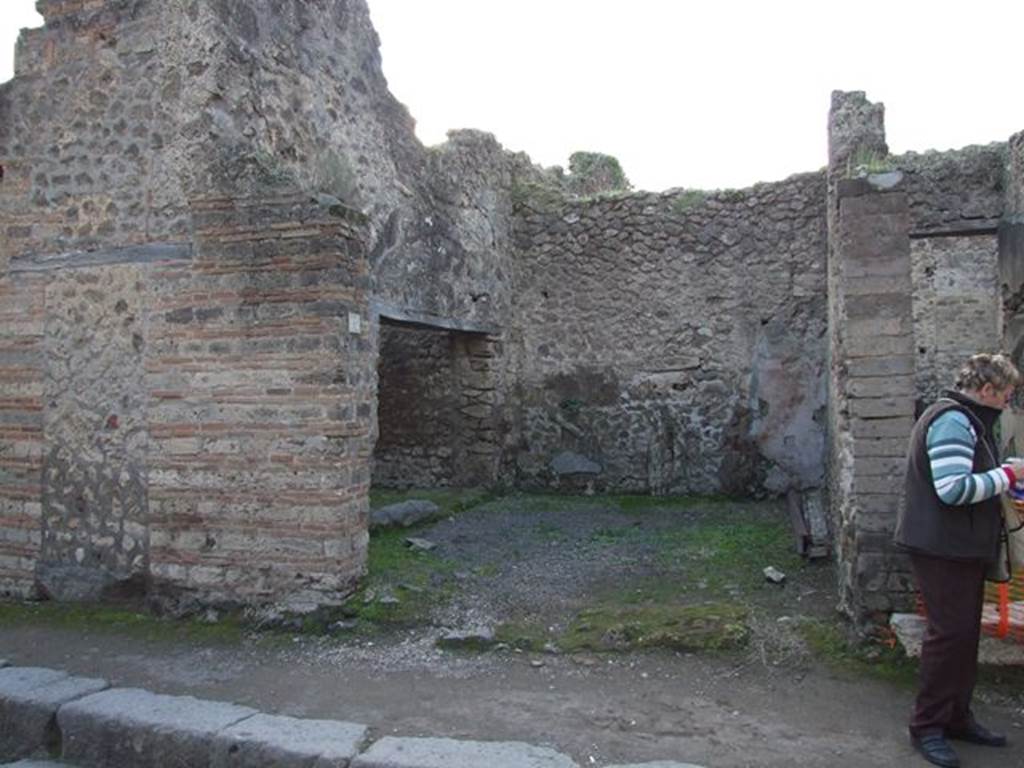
(593, 172)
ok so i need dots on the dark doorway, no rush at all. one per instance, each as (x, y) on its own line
(436, 408)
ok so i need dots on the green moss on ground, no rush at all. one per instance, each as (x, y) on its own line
(401, 585)
(90, 617)
(710, 627)
(451, 500)
(699, 582)
(523, 635)
(830, 641)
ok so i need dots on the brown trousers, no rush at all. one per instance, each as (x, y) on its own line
(953, 592)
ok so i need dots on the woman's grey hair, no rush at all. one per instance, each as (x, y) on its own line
(980, 370)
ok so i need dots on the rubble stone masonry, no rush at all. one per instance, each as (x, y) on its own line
(676, 340)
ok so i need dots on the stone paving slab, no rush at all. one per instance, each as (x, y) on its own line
(288, 742)
(34, 764)
(29, 700)
(132, 728)
(393, 752)
(657, 764)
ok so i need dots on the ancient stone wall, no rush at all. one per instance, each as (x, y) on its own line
(956, 202)
(871, 361)
(94, 162)
(1011, 280)
(260, 389)
(1011, 247)
(873, 366)
(1014, 180)
(203, 430)
(444, 257)
(188, 383)
(957, 192)
(671, 343)
(94, 476)
(914, 290)
(956, 309)
(196, 324)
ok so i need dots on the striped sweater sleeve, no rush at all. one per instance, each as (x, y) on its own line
(950, 443)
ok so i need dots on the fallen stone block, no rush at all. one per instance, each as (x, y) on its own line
(657, 764)
(29, 700)
(4, 663)
(404, 513)
(131, 728)
(287, 742)
(479, 639)
(34, 764)
(392, 752)
(569, 463)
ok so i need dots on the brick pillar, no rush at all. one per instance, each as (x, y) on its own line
(871, 397)
(476, 369)
(260, 381)
(21, 432)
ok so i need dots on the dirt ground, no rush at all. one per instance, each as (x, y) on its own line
(771, 702)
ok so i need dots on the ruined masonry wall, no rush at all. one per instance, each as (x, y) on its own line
(913, 290)
(1014, 189)
(259, 408)
(94, 475)
(954, 191)
(96, 163)
(956, 314)
(205, 429)
(675, 340)
(1011, 248)
(955, 202)
(873, 366)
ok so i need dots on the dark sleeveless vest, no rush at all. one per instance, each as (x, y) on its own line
(927, 525)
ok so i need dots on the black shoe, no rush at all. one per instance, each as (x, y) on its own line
(978, 734)
(935, 749)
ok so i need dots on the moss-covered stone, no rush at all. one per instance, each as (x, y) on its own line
(714, 626)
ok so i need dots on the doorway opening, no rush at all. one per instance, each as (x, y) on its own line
(437, 404)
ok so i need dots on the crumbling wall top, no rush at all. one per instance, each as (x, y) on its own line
(856, 129)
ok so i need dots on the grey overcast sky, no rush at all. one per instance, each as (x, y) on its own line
(701, 93)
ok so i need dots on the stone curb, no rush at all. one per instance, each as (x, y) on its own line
(131, 727)
(391, 752)
(30, 698)
(95, 726)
